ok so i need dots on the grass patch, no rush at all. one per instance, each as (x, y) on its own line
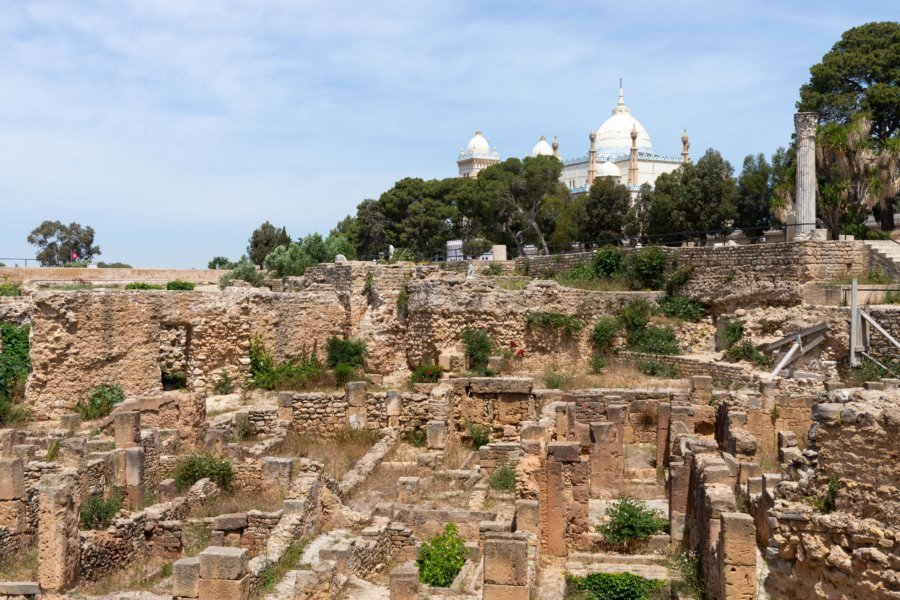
(276, 571)
(100, 402)
(566, 324)
(20, 566)
(268, 499)
(503, 478)
(338, 452)
(194, 467)
(612, 586)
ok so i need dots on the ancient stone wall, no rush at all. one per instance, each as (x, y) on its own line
(889, 318)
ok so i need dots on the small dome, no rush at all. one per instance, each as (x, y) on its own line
(478, 145)
(608, 169)
(542, 148)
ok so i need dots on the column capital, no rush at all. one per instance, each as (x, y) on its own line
(805, 124)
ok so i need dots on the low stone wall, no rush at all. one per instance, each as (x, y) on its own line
(722, 374)
(889, 318)
(39, 275)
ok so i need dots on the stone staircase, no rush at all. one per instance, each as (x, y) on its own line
(886, 249)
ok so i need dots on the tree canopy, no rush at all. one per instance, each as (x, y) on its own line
(59, 244)
(606, 211)
(263, 240)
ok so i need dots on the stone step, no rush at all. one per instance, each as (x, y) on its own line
(613, 558)
(645, 489)
(644, 473)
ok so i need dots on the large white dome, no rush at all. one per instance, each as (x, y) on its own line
(542, 148)
(608, 169)
(614, 136)
(478, 145)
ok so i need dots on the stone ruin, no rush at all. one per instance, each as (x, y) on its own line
(781, 487)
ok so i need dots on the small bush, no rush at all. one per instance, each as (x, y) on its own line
(607, 262)
(14, 367)
(100, 402)
(680, 307)
(224, 383)
(478, 348)
(567, 324)
(604, 333)
(479, 435)
(647, 268)
(678, 278)
(827, 503)
(613, 586)
(732, 332)
(143, 285)
(656, 340)
(343, 373)
(194, 467)
(179, 285)
(348, 352)
(298, 372)
(97, 512)
(598, 363)
(10, 289)
(493, 270)
(768, 327)
(875, 276)
(416, 437)
(113, 265)
(631, 522)
(442, 557)
(556, 380)
(503, 478)
(635, 316)
(52, 451)
(244, 270)
(429, 373)
(402, 303)
(687, 577)
(744, 350)
(655, 368)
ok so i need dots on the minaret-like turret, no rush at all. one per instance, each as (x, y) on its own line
(633, 165)
(592, 159)
(685, 147)
(555, 147)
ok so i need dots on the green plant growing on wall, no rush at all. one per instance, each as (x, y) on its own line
(479, 435)
(567, 324)
(503, 478)
(604, 333)
(194, 467)
(442, 557)
(478, 348)
(14, 367)
(97, 512)
(100, 401)
(224, 383)
(613, 586)
(631, 522)
(732, 332)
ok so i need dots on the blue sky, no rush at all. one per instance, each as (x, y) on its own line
(174, 128)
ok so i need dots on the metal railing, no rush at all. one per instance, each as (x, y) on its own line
(25, 260)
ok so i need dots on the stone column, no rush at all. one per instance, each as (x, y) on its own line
(737, 556)
(127, 426)
(564, 521)
(506, 567)
(13, 514)
(607, 460)
(357, 413)
(59, 549)
(662, 432)
(805, 127)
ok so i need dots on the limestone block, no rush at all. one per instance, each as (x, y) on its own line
(167, 490)
(186, 577)
(357, 417)
(564, 451)
(506, 559)
(356, 394)
(340, 554)
(230, 522)
(70, 421)
(394, 405)
(59, 549)
(527, 516)
(276, 470)
(702, 383)
(452, 361)
(218, 589)
(13, 516)
(222, 563)
(405, 582)
(737, 539)
(12, 479)
(26, 589)
(494, 591)
(437, 435)
(531, 431)
(127, 426)
(615, 413)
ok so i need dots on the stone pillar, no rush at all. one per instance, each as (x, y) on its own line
(564, 515)
(436, 435)
(662, 433)
(59, 549)
(506, 567)
(13, 514)
(528, 516)
(805, 205)
(357, 413)
(679, 487)
(127, 426)
(186, 578)
(607, 460)
(394, 409)
(223, 574)
(134, 475)
(737, 556)
(405, 582)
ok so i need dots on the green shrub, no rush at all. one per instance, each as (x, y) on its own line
(97, 512)
(100, 402)
(827, 503)
(52, 451)
(768, 327)
(598, 363)
(113, 265)
(604, 333)
(613, 586)
(687, 578)
(869, 371)
(10, 289)
(244, 270)
(655, 368)
(744, 350)
(493, 270)
(503, 478)
(348, 352)
(732, 332)
(142, 285)
(656, 340)
(635, 316)
(875, 276)
(567, 324)
(631, 522)
(579, 273)
(402, 303)
(478, 348)
(428, 373)
(173, 378)
(343, 373)
(297, 372)
(179, 285)
(556, 380)
(647, 268)
(607, 261)
(416, 437)
(479, 435)
(441, 557)
(194, 467)
(14, 367)
(678, 278)
(224, 383)
(680, 307)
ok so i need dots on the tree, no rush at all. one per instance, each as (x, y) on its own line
(784, 174)
(569, 214)
(606, 211)
(298, 256)
(220, 262)
(753, 195)
(370, 230)
(263, 240)
(58, 244)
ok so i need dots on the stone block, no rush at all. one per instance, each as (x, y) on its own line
(221, 563)
(505, 560)
(186, 577)
(564, 451)
(496, 591)
(127, 427)
(167, 490)
(404, 582)
(702, 383)
(27, 589)
(532, 431)
(12, 479)
(528, 516)
(340, 554)
(616, 413)
(219, 589)
(356, 394)
(276, 470)
(437, 435)
(394, 405)
(70, 421)
(874, 385)
(13, 516)
(357, 417)
(230, 522)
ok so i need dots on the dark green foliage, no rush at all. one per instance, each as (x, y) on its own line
(194, 467)
(556, 380)
(478, 348)
(744, 350)
(343, 373)
(294, 258)
(57, 242)
(264, 240)
(479, 435)
(768, 327)
(402, 303)
(612, 586)
(113, 265)
(179, 285)
(100, 402)
(753, 195)
(220, 262)
(493, 270)
(869, 371)
(348, 352)
(10, 289)
(656, 368)
(429, 373)
(606, 210)
(655, 339)
(604, 333)
(503, 478)
(732, 332)
(416, 437)
(598, 363)
(441, 557)
(244, 270)
(173, 378)
(297, 372)
(97, 512)
(143, 285)
(678, 278)
(14, 367)
(224, 383)
(648, 266)
(567, 324)
(680, 307)
(635, 316)
(630, 521)
(827, 503)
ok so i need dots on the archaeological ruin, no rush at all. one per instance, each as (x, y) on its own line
(401, 431)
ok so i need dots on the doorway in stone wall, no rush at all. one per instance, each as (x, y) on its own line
(174, 355)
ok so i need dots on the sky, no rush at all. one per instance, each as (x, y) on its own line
(174, 128)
